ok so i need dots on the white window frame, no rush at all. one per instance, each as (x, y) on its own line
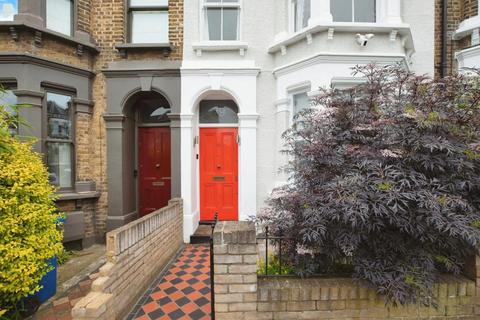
(154, 8)
(292, 16)
(73, 21)
(204, 20)
(292, 91)
(376, 10)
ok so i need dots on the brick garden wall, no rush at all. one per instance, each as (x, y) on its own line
(136, 253)
(241, 294)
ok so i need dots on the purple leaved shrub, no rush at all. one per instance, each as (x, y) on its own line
(385, 178)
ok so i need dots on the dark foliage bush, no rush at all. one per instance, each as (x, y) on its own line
(385, 177)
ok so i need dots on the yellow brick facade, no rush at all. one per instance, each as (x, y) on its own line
(458, 10)
(106, 24)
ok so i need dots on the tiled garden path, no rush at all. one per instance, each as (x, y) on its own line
(183, 292)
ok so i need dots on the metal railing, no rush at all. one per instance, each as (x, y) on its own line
(275, 240)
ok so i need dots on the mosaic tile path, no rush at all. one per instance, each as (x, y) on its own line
(183, 292)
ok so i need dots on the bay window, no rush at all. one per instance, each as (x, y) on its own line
(353, 10)
(59, 140)
(59, 16)
(222, 19)
(301, 14)
(148, 20)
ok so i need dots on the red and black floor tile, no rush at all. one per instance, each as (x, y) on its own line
(182, 292)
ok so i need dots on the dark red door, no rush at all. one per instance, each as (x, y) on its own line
(154, 169)
(218, 173)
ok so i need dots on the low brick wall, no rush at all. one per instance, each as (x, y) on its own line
(136, 253)
(284, 298)
(241, 294)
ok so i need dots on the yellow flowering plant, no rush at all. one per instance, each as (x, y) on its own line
(29, 235)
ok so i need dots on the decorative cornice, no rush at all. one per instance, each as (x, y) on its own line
(83, 106)
(114, 117)
(124, 48)
(11, 57)
(282, 45)
(138, 73)
(38, 30)
(328, 57)
(29, 93)
(221, 72)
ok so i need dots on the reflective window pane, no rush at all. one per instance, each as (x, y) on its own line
(364, 10)
(218, 111)
(230, 24)
(59, 163)
(341, 10)
(8, 9)
(59, 16)
(153, 109)
(149, 27)
(214, 23)
(148, 3)
(302, 13)
(59, 114)
(301, 102)
(8, 99)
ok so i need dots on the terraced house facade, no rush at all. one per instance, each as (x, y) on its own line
(135, 102)
(457, 40)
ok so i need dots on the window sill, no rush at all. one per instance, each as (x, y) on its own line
(402, 29)
(124, 48)
(220, 46)
(65, 196)
(466, 27)
(79, 39)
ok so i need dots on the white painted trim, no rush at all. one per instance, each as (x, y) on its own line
(339, 57)
(203, 26)
(220, 46)
(469, 53)
(219, 72)
(218, 125)
(300, 87)
(466, 27)
(353, 27)
(346, 82)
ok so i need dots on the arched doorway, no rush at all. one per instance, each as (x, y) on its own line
(148, 118)
(218, 159)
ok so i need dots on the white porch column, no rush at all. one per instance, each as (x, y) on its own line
(282, 122)
(190, 219)
(320, 12)
(247, 184)
(390, 11)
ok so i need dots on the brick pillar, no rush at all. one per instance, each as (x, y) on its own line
(477, 283)
(235, 263)
(472, 271)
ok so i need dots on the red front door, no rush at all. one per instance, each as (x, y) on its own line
(218, 173)
(154, 169)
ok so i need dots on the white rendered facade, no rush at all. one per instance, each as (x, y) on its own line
(269, 65)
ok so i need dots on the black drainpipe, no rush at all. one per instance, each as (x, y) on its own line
(443, 62)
